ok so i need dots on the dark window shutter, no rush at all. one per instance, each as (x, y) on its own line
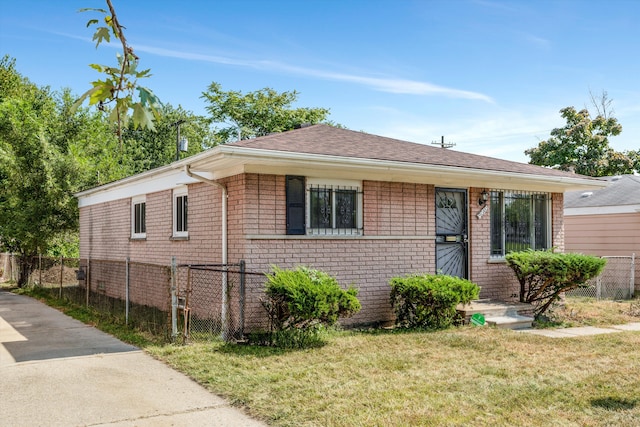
(295, 204)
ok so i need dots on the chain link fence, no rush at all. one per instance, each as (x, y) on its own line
(184, 303)
(616, 281)
(212, 301)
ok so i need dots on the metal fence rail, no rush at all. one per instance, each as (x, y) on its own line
(615, 282)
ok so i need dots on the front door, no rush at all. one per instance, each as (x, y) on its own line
(451, 232)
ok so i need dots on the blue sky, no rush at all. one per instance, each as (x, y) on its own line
(491, 76)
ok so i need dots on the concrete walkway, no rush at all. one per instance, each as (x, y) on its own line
(57, 371)
(582, 331)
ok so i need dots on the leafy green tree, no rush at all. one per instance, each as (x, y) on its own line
(259, 113)
(582, 145)
(145, 149)
(37, 177)
(120, 84)
(544, 275)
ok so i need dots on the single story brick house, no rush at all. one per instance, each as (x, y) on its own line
(605, 222)
(362, 207)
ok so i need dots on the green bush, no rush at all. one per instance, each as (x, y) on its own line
(428, 300)
(545, 275)
(303, 301)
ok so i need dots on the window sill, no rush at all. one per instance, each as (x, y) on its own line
(178, 238)
(138, 239)
(497, 260)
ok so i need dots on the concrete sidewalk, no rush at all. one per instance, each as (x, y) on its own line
(582, 331)
(57, 371)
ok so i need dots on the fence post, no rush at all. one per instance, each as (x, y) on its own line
(126, 292)
(61, 275)
(88, 287)
(39, 269)
(242, 287)
(632, 281)
(174, 299)
(225, 303)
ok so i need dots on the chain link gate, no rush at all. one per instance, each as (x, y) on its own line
(208, 302)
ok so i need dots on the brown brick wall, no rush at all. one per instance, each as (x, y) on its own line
(105, 229)
(495, 278)
(398, 228)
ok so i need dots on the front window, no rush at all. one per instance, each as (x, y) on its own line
(334, 208)
(180, 223)
(138, 218)
(519, 221)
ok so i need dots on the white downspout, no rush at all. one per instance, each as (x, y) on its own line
(187, 170)
(225, 284)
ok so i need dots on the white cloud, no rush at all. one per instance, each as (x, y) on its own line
(391, 85)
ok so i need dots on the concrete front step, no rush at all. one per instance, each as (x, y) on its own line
(500, 314)
(510, 321)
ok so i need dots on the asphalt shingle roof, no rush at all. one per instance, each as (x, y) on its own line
(622, 190)
(328, 140)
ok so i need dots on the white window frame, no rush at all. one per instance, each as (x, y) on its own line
(334, 184)
(135, 201)
(177, 193)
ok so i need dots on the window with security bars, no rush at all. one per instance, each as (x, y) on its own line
(180, 211)
(138, 218)
(519, 221)
(333, 209)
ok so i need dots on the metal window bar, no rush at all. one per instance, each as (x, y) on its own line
(333, 210)
(520, 220)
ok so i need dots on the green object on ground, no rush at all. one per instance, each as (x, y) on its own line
(477, 319)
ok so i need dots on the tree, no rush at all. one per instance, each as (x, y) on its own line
(258, 113)
(37, 177)
(121, 82)
(582, 145)
(544, 275)
(145, 149)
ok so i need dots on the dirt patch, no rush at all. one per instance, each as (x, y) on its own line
(51, 276)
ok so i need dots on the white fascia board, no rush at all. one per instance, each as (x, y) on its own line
(230, 160)
(145, 183)
(602, 210)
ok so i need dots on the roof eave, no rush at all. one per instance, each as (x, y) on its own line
(230, 160)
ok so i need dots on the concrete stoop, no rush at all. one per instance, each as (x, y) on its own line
(510, 321)
(499, 314)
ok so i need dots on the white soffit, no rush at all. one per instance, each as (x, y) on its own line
(136, 185)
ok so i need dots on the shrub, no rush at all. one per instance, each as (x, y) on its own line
(304, 301)
(545, 275)
(428, 300)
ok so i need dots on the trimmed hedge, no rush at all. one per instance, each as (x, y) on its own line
(545, 275)
(305, 299)
(429, 300)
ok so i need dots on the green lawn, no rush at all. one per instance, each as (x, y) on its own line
(459, 377)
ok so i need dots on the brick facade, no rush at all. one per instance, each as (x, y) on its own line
(398, 237)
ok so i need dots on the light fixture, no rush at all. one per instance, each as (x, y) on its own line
(484, 196)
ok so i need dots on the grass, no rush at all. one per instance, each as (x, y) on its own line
(464, 376)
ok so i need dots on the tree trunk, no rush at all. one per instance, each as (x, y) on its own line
(25, 267)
